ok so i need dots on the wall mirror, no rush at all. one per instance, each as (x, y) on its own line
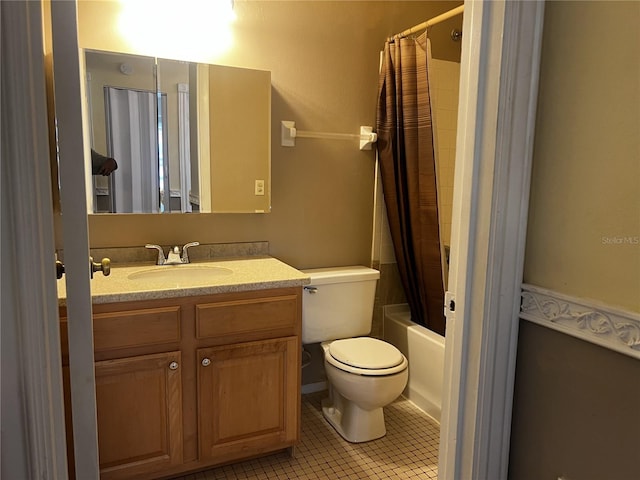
(186, 137)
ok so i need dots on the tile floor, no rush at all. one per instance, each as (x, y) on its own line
(408, 451)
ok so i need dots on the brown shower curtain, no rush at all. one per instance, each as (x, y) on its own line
(407, 164)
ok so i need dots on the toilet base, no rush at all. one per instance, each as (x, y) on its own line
(353, 423)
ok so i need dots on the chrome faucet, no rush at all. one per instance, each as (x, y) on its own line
(174, 257)
(185, 253)
(161, 258)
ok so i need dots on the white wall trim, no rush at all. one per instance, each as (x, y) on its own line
(184, 146)
(33, 433)
(521, 48)
(72, 139)
(589, 320)
(498, 97)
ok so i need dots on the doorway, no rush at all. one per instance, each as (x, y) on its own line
(476, 422)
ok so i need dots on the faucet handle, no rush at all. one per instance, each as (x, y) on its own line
(161, 260)
(185, 254)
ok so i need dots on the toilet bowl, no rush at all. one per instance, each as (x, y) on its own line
(362, 380)
(363, 374)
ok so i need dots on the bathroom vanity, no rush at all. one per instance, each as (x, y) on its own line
(193, 373)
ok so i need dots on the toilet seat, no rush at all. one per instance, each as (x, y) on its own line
(365, 356)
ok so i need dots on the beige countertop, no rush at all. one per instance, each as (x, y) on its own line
(234, 275)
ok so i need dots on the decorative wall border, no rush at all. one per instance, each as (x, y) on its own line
(612, 328)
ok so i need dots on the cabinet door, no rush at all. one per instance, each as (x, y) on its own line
(139, 408)
(248, 398)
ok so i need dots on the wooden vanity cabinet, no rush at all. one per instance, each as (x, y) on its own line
(139, 414)
(243, 398)
(138, 376)
(248, 391)
(184, 384)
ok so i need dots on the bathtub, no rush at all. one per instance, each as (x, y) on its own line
(424, 350)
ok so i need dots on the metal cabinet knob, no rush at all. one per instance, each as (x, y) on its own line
(206, 362)
(173, 366)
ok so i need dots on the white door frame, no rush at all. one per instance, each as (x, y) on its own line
(33, 429)
(496, 123)
(498, 94)
(73, 148)
(33, 426)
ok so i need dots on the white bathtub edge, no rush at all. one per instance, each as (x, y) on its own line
(424, 350)
(423, 404)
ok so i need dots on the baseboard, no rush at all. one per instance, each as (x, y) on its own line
(313, 387)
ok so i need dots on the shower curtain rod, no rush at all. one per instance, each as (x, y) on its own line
(432, 21)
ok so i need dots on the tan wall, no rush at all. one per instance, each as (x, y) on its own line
(324, 60)
(576, 404)
(585, 191)
(575, 410)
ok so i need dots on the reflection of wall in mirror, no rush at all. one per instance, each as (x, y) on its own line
(170, 74)
(137, 73)
(103, 69)
(202, 137)
(241, 100)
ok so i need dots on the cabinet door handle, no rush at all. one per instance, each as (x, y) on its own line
(173, 366)
(206, 362)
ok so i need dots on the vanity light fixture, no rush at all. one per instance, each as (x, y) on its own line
(199, 29)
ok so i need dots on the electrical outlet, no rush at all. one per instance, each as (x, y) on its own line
(259, 187)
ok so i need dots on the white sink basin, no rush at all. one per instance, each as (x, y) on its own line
(180, 275)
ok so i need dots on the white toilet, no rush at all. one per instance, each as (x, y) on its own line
(364, 374)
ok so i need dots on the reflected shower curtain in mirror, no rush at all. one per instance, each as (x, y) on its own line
(408, 172)
(132, 136)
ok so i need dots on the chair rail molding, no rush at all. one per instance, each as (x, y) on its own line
(589, 320)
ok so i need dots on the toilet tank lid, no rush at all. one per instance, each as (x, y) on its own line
(341, 274)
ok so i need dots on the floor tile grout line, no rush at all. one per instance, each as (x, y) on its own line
(408, 451)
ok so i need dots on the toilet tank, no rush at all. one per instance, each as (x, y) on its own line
(338, 303)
